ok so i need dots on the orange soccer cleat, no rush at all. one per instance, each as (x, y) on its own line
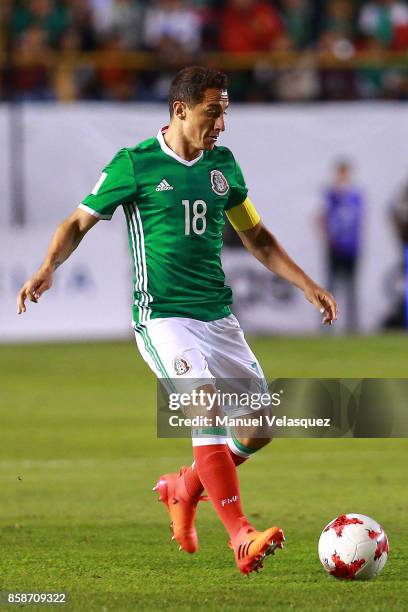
(181, 508)
(251, 547)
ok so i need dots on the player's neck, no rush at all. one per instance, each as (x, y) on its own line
(176, 141)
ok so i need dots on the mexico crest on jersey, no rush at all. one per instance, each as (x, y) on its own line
(181, 366)
(219, 183)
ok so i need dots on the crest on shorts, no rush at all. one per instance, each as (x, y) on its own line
(219, 183)
(181, 366)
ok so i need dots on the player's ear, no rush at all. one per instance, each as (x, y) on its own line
(179, 109)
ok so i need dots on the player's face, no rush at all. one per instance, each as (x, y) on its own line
(205, 121)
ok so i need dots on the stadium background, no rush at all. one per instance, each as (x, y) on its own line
(311, 82)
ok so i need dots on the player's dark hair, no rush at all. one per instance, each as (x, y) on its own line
(190, 84)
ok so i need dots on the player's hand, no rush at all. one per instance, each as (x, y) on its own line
(34, 288)
(324, 302)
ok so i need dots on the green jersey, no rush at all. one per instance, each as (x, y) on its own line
(174, 212)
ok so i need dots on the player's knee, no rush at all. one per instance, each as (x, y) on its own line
(254, 443)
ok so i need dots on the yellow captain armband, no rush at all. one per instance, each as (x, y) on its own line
(244, 216)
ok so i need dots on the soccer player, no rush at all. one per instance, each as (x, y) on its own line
(174, 190)
(342, 223)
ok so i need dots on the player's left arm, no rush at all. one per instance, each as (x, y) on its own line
(265, 247)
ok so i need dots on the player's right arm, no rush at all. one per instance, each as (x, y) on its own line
(65, 240)
(116, 185)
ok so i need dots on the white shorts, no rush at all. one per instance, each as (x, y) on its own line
(188, 351)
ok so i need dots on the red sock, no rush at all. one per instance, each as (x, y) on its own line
(218, 475)
(192, 481)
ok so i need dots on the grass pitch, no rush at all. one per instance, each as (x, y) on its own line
(79, 456)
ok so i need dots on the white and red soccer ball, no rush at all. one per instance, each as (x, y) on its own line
(353, 547)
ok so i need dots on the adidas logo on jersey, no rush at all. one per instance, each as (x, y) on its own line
(163, 186)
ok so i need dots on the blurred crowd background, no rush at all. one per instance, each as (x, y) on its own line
(273, 50)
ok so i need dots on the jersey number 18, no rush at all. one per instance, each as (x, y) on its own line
(197, 221)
